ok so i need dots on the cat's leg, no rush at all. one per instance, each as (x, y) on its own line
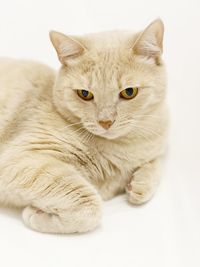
(58, 198)
(144, 182)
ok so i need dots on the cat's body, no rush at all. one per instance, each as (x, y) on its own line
(56, 168)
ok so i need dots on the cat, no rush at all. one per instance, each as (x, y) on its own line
(95, 129)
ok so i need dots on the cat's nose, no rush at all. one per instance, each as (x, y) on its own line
(106, 124)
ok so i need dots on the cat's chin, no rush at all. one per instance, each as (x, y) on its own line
(107, 135)
(110, 136)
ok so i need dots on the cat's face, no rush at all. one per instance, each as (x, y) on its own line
(107, 86)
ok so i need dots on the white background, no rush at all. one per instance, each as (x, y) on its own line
(166, 231)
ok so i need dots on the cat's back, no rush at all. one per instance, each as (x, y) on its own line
(17, 76)
(21, 83)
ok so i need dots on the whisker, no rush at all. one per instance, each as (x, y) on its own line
(70, 125)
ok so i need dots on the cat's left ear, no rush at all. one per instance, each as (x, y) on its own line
(66, 47)
(150, 42)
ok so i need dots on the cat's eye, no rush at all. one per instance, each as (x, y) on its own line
(85, 95)
(129, 92)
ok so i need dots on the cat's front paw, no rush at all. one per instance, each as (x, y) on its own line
(75, 221)
(138, 192)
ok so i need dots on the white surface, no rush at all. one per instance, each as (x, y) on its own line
(166, 231)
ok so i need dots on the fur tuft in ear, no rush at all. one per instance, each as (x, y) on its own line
(149, 42)
(66, 47)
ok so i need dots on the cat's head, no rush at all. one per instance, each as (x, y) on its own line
(109, 81)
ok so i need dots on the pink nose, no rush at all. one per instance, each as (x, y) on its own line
(106, 124)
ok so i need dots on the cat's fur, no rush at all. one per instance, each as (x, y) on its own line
(56, 161)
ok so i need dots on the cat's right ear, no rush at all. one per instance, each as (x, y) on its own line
(65, 46)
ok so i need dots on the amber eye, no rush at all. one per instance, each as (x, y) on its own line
(85, 95)
(129, 93)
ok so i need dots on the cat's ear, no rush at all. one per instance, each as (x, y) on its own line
(150, 42)
(66, 47)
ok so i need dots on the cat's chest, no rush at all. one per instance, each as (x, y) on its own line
(112, 159)
(119, 156)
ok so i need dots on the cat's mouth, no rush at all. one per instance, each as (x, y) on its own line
(111, 132)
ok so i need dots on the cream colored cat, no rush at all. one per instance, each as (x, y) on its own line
(92, 131)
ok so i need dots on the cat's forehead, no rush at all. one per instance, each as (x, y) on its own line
(107, 40)
(105, 53)
(107, 63)
(103, 69)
